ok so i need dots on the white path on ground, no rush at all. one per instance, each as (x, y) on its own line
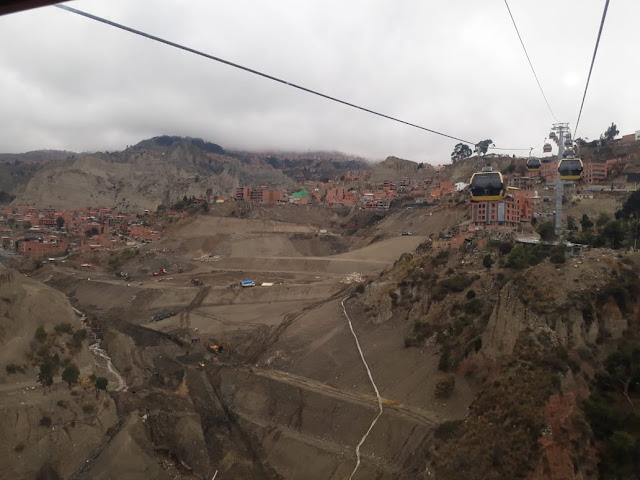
(375, 388)
(99, 352)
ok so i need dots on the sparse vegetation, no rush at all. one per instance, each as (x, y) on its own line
(41, 334)
(12, 369)
(444, 387)
(64, 328)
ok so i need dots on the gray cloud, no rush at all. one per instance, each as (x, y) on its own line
(70, 83)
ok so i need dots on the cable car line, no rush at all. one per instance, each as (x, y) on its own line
(529, 60)
(593, 59)
(250, 70)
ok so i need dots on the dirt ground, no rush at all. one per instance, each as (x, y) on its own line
(292, 395)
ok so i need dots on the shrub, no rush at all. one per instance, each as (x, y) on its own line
(88, 408)
(558, 254)
(360, 288)
(78, 336)
(41, 334)
(448, 430)
(473, 306)
(444, 364)
(444, 387)
(505, 247)
(522, 256)
(101, 383)
(487, 261)
(19, 447)
(12, 368)
(441, 258)
(45, 421)
(471, 294)
(63, 328)
(457, 283)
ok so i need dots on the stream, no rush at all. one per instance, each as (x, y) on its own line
(102, 358)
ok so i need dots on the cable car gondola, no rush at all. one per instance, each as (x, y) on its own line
(533, 164)
(487, 186)
(568, 143)
(546, 148)
(553, 135)
(570, 168)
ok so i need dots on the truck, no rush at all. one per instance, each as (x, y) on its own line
(157, 273)
(247, 283)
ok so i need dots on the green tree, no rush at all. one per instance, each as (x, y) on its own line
(47, 370)
(586, 223)
(101, 384)
(611, 132)
(546, 230)
(78, 336)
(482, 147)
(602, 220)
(487, 261)
(571, 223)
(631, 207)
(71, 374)
(614, 231)
(27, 225)
(60, 222)
(460, 152)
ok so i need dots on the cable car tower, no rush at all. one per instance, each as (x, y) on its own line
(560, 134)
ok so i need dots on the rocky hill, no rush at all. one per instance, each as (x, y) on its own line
(544, 344)
(162, 170)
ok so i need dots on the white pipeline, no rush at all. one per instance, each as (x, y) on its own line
(375, 388)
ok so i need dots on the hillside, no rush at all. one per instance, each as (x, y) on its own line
(52, 430)
(162, 170)
(537, 343)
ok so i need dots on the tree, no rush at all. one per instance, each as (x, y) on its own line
(546, 230)
(482, 147)
(487, 261)
(101, 384)
(460, 152)
(586, 223)
(571, 223)
(78, 336)
(611, 132)
(631, 207)
(27, 225)
(624, 369)
(614, 231)
(47, 369)
(91, 232)
(60, 222)
(71, 374)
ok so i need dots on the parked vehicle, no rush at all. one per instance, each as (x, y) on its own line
(162, 271)
(247, 283)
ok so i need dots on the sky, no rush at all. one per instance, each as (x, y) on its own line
(70, 83)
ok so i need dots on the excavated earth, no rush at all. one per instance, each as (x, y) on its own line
(289, 397)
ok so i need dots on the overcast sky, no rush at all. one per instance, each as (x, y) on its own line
(67, 82)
